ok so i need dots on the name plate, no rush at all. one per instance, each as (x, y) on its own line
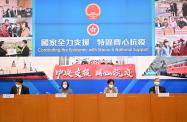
(8, 96)
(60, 95)
(111, 95)
(163, 95)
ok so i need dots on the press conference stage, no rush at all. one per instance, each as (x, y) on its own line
(94, 108)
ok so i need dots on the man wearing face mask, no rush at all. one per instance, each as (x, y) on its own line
(156, 89)
(65, 87)
(110, 88)
(166, 49)
(24, 49)
(19, 88)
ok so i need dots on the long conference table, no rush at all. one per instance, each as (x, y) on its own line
(94, 108)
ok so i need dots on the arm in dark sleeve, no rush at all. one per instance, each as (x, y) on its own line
(4, 52)
(27, 91)
(151, 90)
(164, 90)
(20, 47)
(12, 90)
(27, 52)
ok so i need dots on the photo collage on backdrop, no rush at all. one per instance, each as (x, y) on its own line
(15, 28)
(168, 60)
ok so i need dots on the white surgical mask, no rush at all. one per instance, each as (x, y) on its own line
(18, 85)
(167, 44)
(157, 83)
(110, 86)
(65, 86)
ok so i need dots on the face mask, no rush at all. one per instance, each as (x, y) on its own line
(167, 44)
(157, 83)
(110, 86)
(17, 85)
(65, 86)
(13, 26)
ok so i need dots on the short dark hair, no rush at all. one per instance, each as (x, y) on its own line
(25, 41)
(19, 81)
(110, 80)
(66, 82)
(6, 20)
(157, 79)
(1, 43)
(26, 23)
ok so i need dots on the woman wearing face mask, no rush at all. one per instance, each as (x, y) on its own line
(156, 89)
(110, 88)
(65, 87)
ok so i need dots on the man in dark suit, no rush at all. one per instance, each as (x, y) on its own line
(2, 51)
(184, 9)
(181, 23)
(19, 88)
(12, 13)
(24, 49)
(156, 89)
